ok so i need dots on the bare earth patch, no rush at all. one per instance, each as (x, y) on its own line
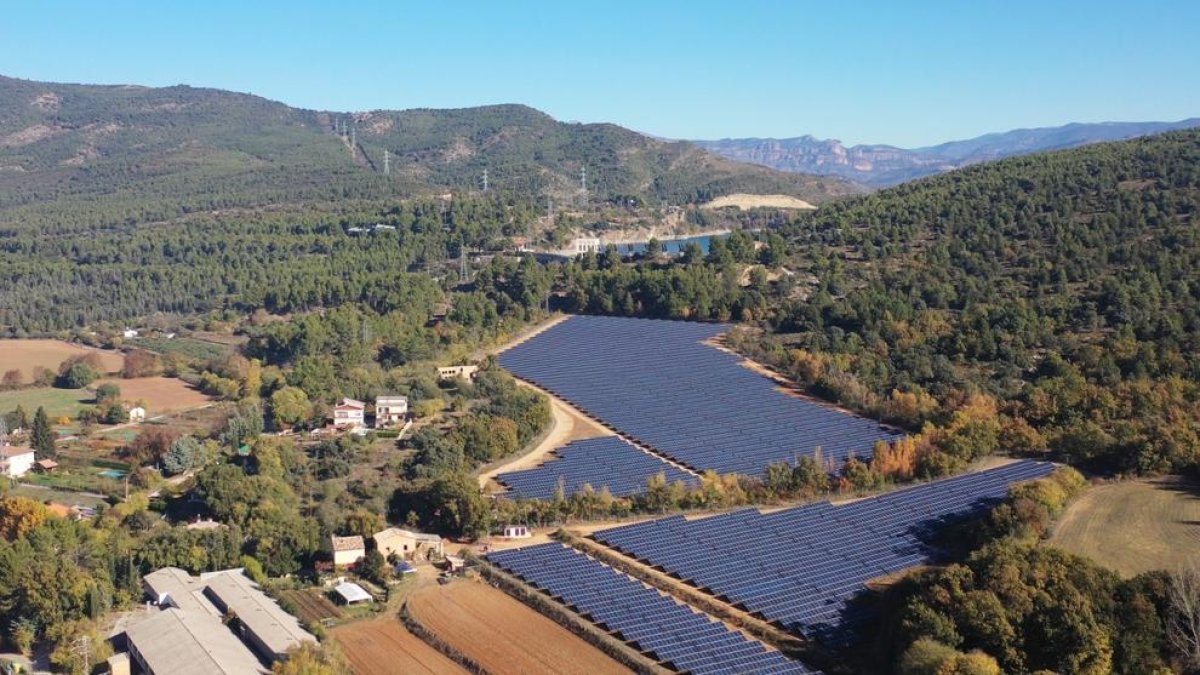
(384, 646)
(747, 201)
(25, 355)
(503, 635)
(28, 136)
(1134, 526)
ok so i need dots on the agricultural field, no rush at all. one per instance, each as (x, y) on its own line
(45, 494)
(312, 606)
(1134, 526)
(502, 634)
(384, 646)
(191, 348)
(161, 394)
(25, 355)
(57, 402)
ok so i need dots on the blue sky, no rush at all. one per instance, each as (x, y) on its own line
(880, 72)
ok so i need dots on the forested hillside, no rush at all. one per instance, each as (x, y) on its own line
(1044, 303)
(78, 157)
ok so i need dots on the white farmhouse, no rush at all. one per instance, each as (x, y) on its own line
(346, 550)
(348, 414)
(390, 410)
(407, 544)
(15, 461)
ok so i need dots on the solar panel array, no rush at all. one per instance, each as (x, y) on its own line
(655, 382)
(608, 461)
(803, 567)
(655, 623)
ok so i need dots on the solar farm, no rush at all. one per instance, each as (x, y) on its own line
(657, 383)
(672, 632)
(803, 569)
(820, 556)
(600, 462)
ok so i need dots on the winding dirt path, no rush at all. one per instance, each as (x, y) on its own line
(566, 425)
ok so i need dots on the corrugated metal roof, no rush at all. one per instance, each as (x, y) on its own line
(275, 628)
(176, 587)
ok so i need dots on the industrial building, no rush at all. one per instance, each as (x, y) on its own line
(262, 623)
(178, 642)
(190, 636)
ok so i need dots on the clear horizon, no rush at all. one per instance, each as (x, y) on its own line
(906, 76)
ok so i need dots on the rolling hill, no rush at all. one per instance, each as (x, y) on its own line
(886, 165)
(118, 154)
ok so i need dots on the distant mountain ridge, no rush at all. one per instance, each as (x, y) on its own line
(126, 154)
(886, 165)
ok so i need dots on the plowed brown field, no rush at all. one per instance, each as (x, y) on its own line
(384, 646)
(25, 355)
(161, 394)
(503, 635)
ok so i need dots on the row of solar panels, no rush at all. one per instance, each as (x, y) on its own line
(804, 567)
(607, 462)
(656, 382)
(673, 633)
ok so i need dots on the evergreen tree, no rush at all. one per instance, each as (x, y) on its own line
(42, 436)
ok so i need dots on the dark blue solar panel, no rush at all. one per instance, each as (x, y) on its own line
(659, 384)
(804, 567)
(600, 462)
(647, 619)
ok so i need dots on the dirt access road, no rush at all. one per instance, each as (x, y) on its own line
(503, 635)
(566, 423)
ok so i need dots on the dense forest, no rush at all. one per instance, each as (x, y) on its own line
(279, 262)
(112, 156)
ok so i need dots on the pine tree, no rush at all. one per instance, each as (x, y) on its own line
(42, 436)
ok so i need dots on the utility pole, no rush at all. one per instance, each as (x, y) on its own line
(387, 169)
(462, 259)
(583, 178)
(485, 180)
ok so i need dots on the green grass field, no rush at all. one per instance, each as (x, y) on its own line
(197, 350)
(58, 402)
(50, 494)
(1134, 526)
